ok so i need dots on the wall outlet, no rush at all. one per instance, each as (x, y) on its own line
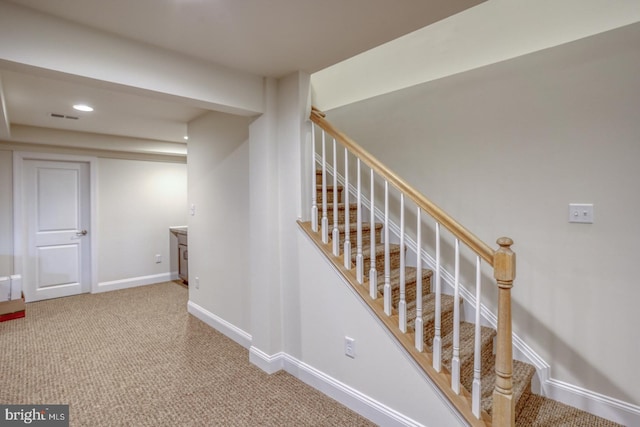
(350, 347)
(158, 258)
(581, 212)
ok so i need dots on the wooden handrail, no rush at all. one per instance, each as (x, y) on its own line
(459, 231)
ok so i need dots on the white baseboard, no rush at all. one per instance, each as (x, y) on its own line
(346, 395)
(603, 406)
(132, 282)
(269, 364)
(230, 331)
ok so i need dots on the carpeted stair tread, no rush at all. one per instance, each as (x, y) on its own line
(521, 378)
(467, 338)
(353, 213)
(330, 194)
(410, 284)
(319, 177)
(366, 236)
(366, 227)
(428, 316)
(540, 411)
(394, 257)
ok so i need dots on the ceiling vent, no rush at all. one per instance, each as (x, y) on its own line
(63, 116)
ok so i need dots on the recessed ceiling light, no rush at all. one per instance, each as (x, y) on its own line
(186, 137)
(82, 107)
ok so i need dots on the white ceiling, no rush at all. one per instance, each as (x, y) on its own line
(263, 37)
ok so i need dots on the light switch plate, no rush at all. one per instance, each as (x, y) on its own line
(350, 347)
(581, 213)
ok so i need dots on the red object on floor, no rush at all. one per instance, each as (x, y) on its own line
(11, 316)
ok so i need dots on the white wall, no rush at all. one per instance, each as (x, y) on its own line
(299, 305)
(218, 187)
(493, 31)
(293, 93)
(265, 246)
(138, 200)
(6, 213)
(505, 149)
(137, 203)
(329, 311)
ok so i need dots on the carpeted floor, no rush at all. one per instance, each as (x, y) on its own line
(137, 358)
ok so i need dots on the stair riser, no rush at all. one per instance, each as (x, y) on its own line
(446, 324)
(428, 316)
(330, 196)
(353, 237)
(353, 215)
(366, 237)
(410, 289)
(467, 355)
(394, 262)
(319, 177)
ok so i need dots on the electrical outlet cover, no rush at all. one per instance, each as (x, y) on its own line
(581, 213)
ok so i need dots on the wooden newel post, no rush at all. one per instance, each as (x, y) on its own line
(504, 271)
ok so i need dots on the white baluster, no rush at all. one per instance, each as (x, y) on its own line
(335, 236)
(402, 305)
(455, 361)
(314, 184)
(437, 340)
(419, 333)
(347, 213)
(325, 219)
(359, 257)
(373, 273)
(476, 386)
(387, 262)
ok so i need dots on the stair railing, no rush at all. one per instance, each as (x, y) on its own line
(502, 260)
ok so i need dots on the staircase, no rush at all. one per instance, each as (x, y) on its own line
(529, 409)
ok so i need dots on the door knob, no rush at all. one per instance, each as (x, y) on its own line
(81, 233)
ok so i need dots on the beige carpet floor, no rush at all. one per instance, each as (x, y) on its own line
(137, 358)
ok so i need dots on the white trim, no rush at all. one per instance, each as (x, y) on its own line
(93, 196)
(230, 331)
(358, 402)
(269, 364)
(19, 250)
(18, 222)
(598, 404)
(364, 405)
(132, 282)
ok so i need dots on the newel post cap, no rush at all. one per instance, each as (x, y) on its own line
(504, 261)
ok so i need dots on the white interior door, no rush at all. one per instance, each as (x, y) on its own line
(56, 197)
